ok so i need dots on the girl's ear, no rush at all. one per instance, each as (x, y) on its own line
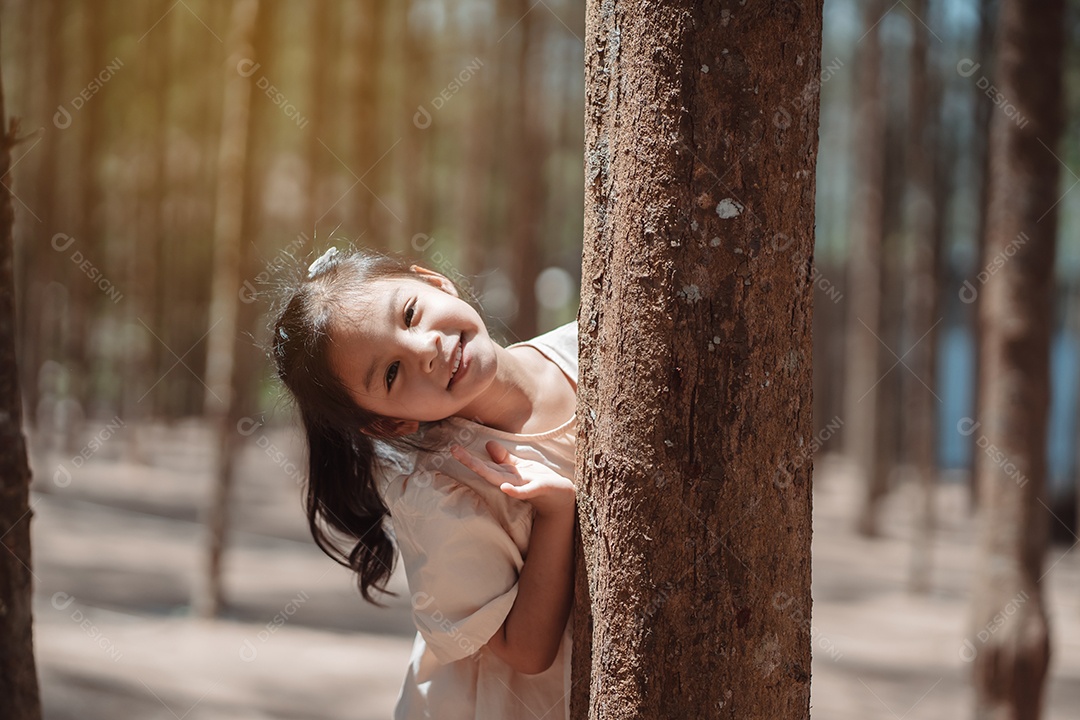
(434, 278)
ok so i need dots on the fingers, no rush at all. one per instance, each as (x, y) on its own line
(466, 458)
(512, 490)
(499, 453)
(494, 475)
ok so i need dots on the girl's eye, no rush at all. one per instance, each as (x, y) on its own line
(391, 373)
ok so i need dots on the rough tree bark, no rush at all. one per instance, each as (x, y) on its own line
(695, 396)
(19, 695)
(224, 319)
(1010, 639)
(867, 225)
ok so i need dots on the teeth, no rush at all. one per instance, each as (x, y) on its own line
(457, 360)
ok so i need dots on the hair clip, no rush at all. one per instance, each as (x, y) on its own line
(322, 263)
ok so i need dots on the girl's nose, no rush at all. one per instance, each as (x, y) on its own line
(429, 356)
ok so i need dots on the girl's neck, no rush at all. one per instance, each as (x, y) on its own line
(513, 395)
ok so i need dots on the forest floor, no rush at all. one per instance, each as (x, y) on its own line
(116, 544)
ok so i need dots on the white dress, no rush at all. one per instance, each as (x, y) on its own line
(463, 542)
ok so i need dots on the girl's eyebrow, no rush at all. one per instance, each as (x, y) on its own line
(379, 362)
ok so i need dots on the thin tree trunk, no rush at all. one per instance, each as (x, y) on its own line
(321, 60)
(36, 262)
(1010, 638)
(220, 400)
(475, 188)
(921, 291)
(164, 231)
(144, 257)
(19, 694)
(695, 343)
(829, 361)
(943, 191)
(366, 41)
(981, 146)
(88, 230)
(414, 170)
(527, 185)
(867, 223)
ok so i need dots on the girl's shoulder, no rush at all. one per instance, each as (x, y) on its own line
(563, 337)
(560, 345)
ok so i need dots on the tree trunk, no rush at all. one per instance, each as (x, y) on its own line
(414, 167)
(19, 695)
(474, 193)
(1010, 638)
(526, 178)
(220, 401)
(921, 292)
(890, 422)
(363, 79)
(37, 262)
(144, 263)
(695, 396)
(867, 225)
(981, 147)
(88, 229)
(320, 59)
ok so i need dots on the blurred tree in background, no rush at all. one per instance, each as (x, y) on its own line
(1017, 316)
(19, 695)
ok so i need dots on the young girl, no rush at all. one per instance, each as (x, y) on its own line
(413, 414)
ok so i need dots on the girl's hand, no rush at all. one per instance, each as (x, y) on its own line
(549, 492)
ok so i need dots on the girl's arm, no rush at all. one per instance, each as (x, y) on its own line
(530, 636)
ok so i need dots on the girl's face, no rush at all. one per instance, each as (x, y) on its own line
(396, 350)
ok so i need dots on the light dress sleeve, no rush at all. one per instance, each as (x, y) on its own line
(461, 564)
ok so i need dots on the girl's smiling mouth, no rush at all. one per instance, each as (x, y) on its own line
(457, 362)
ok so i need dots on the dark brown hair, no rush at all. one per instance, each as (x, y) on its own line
(341, 493)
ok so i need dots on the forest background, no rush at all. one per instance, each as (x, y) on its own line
(450, 131)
